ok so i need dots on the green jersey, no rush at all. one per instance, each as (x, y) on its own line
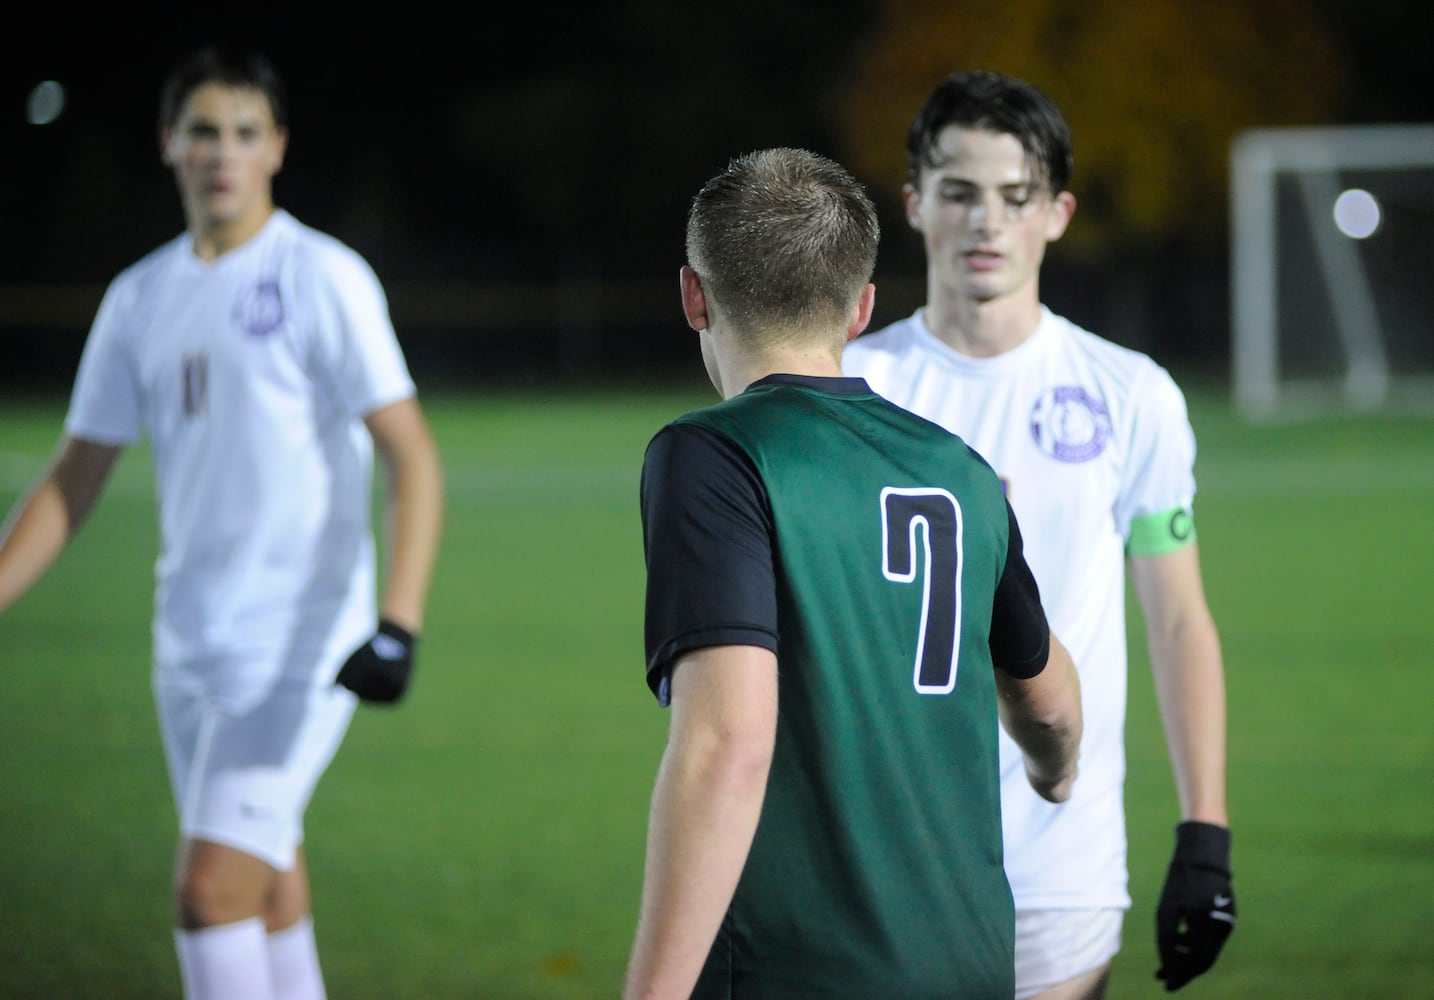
(875, 553)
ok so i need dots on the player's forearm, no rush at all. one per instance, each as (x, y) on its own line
(1051, 756)
(39, 527)
(31, 540)
(1043, 716)
(414, 527)
(1190, 688)
(705, 808)
(1189, 677)
(704, 814)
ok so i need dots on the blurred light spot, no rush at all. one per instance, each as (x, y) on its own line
(46, 102)
(1356, 213)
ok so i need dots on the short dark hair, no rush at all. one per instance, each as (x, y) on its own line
(231, 67)
(783, 239)
(994, 103)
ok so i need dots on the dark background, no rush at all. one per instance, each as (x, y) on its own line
(518, 175)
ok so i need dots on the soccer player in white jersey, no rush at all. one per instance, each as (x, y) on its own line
(1096, 450)
(258, 357)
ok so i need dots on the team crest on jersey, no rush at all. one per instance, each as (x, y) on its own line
(1069, 424)
(260, 310)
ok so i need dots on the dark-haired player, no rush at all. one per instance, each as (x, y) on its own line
(1097, 453)
(257, 356)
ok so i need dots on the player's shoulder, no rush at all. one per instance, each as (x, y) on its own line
(1117, 366)
(764, 415)
(894, 338)
(316, 253)
(1093, 343)
(322, 269)
(163, 256)
(134, 280)
(699, 440)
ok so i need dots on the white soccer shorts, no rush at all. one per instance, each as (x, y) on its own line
(244, 757)
(1053, 946)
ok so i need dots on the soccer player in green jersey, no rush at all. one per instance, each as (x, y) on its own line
(838, 613)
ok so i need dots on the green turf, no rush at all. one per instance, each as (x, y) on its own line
(485, 839)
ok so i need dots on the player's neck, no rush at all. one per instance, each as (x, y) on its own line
(212, 239)
(982, 329)
(745, 368)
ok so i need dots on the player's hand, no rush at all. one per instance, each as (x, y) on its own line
(1197, 906)
(379, 669)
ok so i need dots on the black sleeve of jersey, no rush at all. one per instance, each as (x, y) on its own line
(1020, 634)
(707, 536)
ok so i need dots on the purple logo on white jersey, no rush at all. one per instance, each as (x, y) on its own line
(1070, 424)
(261, 309)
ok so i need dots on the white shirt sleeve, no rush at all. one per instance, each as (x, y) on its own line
(105, 403)
(355, 343)
(1160, 470)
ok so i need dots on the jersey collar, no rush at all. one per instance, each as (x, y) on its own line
(822, 383)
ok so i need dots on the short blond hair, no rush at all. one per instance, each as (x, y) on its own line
(784, 240)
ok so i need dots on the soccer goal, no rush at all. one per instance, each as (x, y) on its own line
(1332, 269)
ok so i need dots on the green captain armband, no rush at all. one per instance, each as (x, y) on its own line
(1157, 534)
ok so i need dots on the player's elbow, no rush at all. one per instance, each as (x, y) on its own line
(1043, 716)
(739, 758)
(730, 760)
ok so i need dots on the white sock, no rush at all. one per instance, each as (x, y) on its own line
(228, 962)
(294, 962)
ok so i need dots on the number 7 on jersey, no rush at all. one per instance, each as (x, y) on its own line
(932, 515)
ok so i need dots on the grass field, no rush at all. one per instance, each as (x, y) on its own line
(485, 839)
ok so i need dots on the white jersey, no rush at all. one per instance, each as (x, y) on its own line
(1086, 436)
(251, 375)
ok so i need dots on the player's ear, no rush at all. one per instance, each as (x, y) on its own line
(861, 313)
(911, 200)
(281, 145)
(694, 299)
(165, 156)
(1063, 206)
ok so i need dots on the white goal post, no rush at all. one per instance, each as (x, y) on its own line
(1332, 269)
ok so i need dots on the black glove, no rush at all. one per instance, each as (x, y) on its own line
(379, 669)
(1197, 906)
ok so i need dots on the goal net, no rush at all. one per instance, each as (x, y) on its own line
(1332, 270)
